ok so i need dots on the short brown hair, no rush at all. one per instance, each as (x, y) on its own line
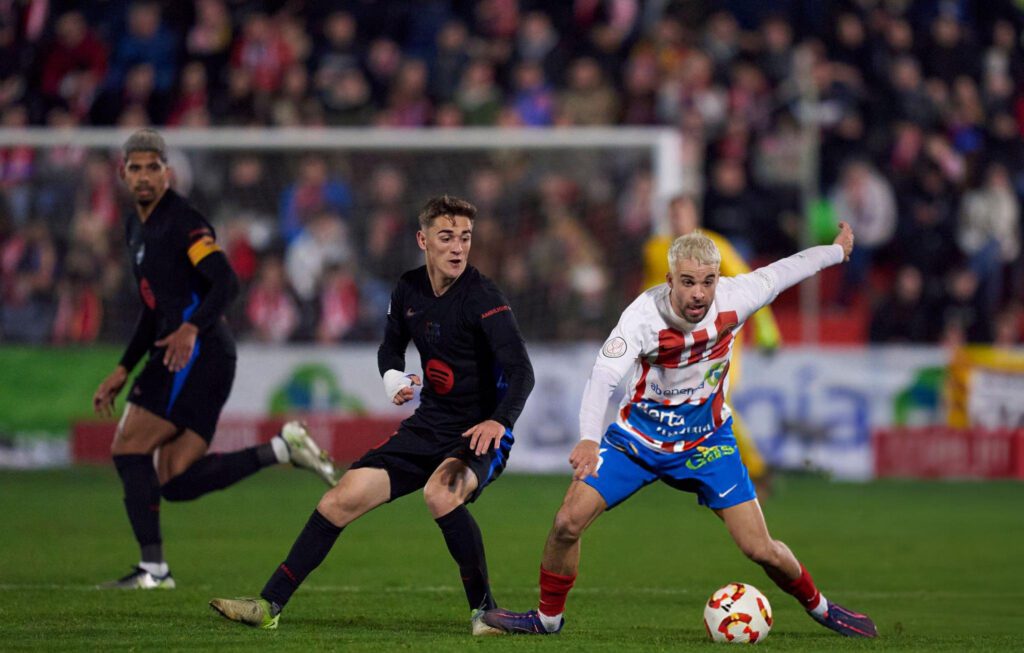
(445, 205)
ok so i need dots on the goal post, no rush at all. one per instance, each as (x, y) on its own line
(578, 201)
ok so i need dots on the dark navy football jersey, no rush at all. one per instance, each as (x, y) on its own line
(474, 361)
(165, 251)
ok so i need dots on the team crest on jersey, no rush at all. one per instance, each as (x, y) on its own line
(140, 254)
(614, 348)
(433, 332)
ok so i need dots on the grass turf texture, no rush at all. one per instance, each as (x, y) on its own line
(936, 564)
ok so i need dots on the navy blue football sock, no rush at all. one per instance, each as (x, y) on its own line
(142, 502)
(466, 544)
(310, 549)
(215, 471)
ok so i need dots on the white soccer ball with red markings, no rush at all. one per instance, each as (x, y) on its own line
(738, 614)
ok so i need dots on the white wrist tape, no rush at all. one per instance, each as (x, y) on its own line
(394, 381)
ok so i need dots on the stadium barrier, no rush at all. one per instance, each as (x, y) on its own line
(949, 452)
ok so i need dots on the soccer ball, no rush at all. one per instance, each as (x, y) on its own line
(738, 613)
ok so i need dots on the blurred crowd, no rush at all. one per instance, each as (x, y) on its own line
(904, 116)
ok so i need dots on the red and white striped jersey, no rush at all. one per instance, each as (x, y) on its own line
(677, 373)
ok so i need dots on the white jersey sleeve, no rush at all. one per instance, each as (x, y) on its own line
(618, 357)
(760, 287)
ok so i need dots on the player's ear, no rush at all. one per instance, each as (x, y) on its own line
(668, 278)
(421, 240)
(121, 171)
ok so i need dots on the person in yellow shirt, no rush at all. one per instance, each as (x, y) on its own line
(684, 218)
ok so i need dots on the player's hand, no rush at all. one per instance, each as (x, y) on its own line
(585, 458)
(179, 346)
(485, 435)
(406, 393)
(103, 400)
(845, 240)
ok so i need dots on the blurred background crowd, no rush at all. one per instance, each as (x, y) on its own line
(910, 113)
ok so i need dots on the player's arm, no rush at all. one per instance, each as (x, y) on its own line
(498, 323)
(766, 331)
(617, 357)
(391, 354)
(211, 263)
(763, 285)
(110, 387)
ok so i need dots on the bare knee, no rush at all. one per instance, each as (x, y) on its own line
(127, 442)
(767, 552)
(440, 499)
(343, 507)
(567, 528)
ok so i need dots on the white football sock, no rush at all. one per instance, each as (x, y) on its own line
(280, 449)
(550, 623)
(822, 608)
(158, 569)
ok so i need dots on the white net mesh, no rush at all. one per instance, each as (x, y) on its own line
(319, 224)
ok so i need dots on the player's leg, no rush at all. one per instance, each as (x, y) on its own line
(446, 493)
(187, 472)
(358, 492)
(138, 434)
(746, 525)
(559, 565)
(201, 396)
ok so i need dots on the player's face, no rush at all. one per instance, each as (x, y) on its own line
(446, 243)
(146, 175)
(693, 289)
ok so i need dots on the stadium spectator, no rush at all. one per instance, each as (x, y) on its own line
(75, 65)
(147, 42)
(339, 304)
(478, 96)
(263, 53)
(29, 263)
(589, 99)
(989, 233)
(321, 243)
(314, 191)
(534, 99)
(449, 60)
(272, 311)
(902, 314)
(209, 40)
(865, 200)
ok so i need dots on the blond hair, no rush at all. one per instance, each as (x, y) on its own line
(693, 246)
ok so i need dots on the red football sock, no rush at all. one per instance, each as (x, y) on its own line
(554, 588)
(803, 588)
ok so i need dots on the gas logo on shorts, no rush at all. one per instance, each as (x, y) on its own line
(710, 454)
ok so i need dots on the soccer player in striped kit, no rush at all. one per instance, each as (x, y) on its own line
(674, 345)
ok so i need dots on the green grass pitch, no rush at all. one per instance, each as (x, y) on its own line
(938, 565)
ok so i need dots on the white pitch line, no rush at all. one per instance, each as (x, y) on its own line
(444, 589)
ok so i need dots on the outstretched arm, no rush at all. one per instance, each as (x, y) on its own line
(763, 285)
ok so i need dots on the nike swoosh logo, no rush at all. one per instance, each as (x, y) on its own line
(410, 313)
(722, 494)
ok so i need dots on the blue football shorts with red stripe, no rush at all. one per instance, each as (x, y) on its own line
(712, 470)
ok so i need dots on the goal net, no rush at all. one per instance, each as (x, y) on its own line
(330, 214)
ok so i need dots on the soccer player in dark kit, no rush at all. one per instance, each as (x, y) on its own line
(478, 376)
(185, 283)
